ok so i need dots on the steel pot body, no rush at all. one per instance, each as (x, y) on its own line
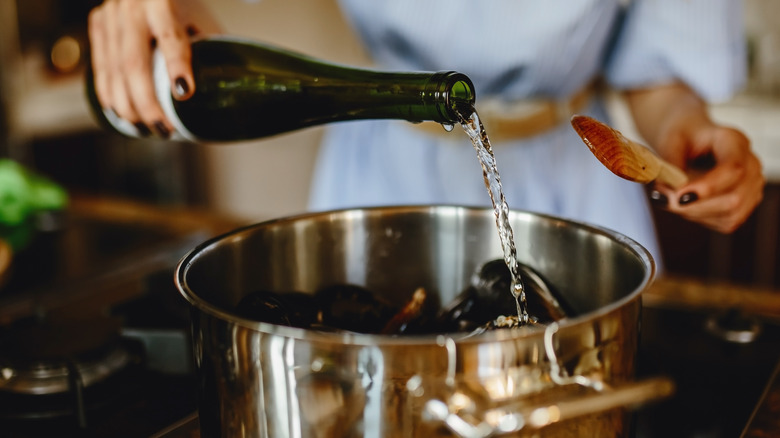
(265, 380)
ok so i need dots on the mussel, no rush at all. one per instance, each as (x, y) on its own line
(487, 303)
(489, 296)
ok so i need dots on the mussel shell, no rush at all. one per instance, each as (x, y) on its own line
(295, 309)
(264, 306)
(490, 296)
(353, 308)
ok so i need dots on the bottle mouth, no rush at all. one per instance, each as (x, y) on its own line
(460, 95)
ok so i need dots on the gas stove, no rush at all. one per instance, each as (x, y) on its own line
(720, 378)
(130, 398)
(94, 340)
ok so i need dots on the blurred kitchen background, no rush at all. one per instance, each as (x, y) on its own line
(46, 125)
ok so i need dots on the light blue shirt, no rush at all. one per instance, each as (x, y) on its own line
(517, 49)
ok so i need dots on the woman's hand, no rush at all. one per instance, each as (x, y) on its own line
(722, 196)
(123, 35)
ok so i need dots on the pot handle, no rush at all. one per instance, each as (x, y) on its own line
(513, 417)
(507, 419)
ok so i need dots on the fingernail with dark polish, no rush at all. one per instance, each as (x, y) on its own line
(143, 130)
(162, 129)
(687, 198)
(181, 87)
(659, 198)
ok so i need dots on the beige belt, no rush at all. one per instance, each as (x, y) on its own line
(522, 119)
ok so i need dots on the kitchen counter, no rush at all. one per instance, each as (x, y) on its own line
(690, 293)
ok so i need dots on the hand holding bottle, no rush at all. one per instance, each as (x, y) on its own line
(249, 90)
(123, 35)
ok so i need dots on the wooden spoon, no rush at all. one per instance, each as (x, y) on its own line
(625, 158)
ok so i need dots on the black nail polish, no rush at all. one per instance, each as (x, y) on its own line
(143, 130)
(162, 129)
(687, 198)
(181, 87)
(658, 198)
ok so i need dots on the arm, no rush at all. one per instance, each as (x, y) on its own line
(123, 35)
(674, 120)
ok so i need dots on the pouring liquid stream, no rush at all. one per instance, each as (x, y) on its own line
(478, 135)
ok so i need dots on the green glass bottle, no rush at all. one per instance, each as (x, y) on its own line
(246, 90)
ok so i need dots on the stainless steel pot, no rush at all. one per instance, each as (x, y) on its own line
(573, 378)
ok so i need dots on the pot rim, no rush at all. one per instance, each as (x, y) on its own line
(363, 339)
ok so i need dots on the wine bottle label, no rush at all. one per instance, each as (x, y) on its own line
(162, 88)
(121, 125)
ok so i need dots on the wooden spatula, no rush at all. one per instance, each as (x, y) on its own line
(625, 158)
